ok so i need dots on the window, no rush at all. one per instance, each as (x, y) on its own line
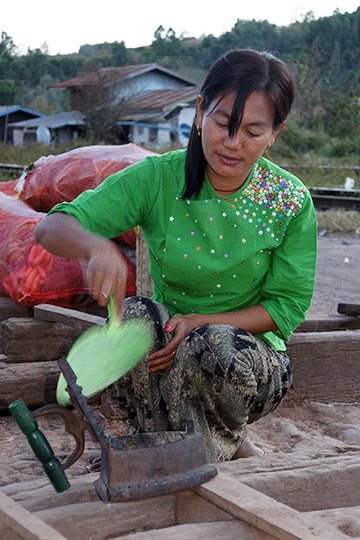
(153, 133)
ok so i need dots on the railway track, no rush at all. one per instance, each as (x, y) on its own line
(323, 198)
(10, 171)
(330, 198)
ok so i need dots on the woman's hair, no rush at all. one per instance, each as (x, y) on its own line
(240, 72)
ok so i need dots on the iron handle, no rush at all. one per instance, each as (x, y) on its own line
(39, 445)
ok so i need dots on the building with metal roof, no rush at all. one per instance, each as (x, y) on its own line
(13, 113)
(158, 104)
(160, 118)
(55, 129)
(123, 73)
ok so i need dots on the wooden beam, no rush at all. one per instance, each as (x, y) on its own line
(97, 520)
(34, 382)
(325, 366)
(330, 324)
(305, 483)
(263, 512)
(349, 309)
(69, 317)
(9, 308)
(37, 495)
(220, 530)
(26, 339)
(25, 524)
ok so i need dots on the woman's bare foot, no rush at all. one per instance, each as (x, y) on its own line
(248, 449)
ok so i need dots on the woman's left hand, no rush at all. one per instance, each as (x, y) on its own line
(181, 326)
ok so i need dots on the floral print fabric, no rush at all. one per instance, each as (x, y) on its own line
(222, 378)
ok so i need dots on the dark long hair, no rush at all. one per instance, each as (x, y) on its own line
(240, 72)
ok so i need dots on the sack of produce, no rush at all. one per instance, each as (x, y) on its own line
(54, 179)
(9, 188)
(29, 274)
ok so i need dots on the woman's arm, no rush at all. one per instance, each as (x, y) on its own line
(63, 236)
(255, 320)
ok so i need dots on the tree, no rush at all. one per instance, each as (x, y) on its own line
(7, 91)
(102, 105)
(308, 76)
(7, 46)
(119, 53)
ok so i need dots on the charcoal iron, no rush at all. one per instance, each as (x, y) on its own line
(133, 466)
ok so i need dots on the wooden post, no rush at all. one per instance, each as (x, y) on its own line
(24, 523)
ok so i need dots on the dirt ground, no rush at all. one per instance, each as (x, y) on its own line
(314, 429)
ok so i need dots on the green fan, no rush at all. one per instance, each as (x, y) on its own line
(102, 355)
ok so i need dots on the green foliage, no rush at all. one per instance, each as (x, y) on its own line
(7, 91)
(324, 55)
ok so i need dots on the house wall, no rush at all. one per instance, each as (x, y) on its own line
(150, 137)
(17, 137)
(18, 116)
(21, 137)
(186, 116)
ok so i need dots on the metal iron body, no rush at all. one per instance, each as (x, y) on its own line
(133, 466)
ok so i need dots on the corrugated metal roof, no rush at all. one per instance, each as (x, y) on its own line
(162, 99)
(110, 75)
(10, 109)
(73, 118)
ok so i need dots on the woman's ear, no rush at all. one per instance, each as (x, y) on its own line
(199, 113)
(276, 133)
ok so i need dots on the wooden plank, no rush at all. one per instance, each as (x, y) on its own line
(190, 508)
(26, 339)
(222, 530)
(346, 520)
(36, 496)
(98, 521)
(25, 524)
(349, 309)
(93, 308)
(9, 308)
(262, 512)
(69, 317)
(34, 382)
(11, 490)
(330, 324)
(303, 483)
(325, 366)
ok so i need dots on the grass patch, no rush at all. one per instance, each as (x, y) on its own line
(338, 221)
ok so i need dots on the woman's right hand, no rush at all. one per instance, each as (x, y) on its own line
(64, 236)
(107, 274)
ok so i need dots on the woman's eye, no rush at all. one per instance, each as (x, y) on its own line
(253, 134)
(220, 124)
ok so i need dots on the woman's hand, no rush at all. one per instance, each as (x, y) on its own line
(107, 273)
(64, 236)
(181, 326)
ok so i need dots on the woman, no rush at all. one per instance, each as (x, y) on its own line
(232, 247)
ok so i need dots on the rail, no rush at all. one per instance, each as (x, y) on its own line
(11, 170)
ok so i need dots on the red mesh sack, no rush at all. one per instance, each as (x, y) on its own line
(60, 178)
(29, 274)
(9, 188)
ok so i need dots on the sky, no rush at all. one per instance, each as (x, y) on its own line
(66, 25)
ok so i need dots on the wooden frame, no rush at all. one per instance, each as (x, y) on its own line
(221, 509)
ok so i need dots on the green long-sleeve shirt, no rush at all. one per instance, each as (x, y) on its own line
(210, 254)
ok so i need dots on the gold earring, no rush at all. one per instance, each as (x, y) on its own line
(198, 131)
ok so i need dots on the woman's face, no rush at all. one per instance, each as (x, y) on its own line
(230, 159)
